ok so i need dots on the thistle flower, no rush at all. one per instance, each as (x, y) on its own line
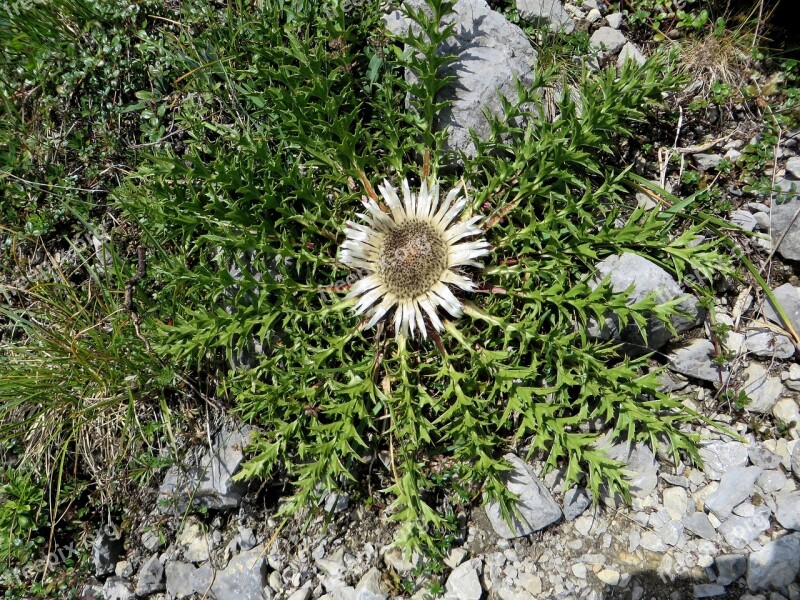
(411, 255)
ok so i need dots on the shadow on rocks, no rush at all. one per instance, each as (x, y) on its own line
(648, 585)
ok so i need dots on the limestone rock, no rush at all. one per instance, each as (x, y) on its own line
(549, 11)
(631, 270)
(151, 577)
(490, 54)
(607, 39)
(776, 565)
(210, 483)
(789, 298)
(695, 359)
(536, 505)
(762, 389)
(736, 486)
(464, 581)
(788, 511)
(243, 578)
(719, 457)
(784, 208)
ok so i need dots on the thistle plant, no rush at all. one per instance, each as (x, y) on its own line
(271, 177)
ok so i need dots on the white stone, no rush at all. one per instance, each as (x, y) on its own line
(676, 501)
(786, 411)
(630, 52)
(550, 11)
(609, 576)
(579, 570)
(464, 581)
(769, 344)
(607, 39)
(614, 20)
(718, 457)
(762, 389)
(793, 167)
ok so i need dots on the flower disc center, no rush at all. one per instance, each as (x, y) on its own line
(413, 258)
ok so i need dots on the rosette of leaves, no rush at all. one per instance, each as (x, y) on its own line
(291, 117)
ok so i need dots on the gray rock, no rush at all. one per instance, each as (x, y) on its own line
(744, 219)
(736, 486)
(789, 298)
(631, 270)
(740, 531)
(784, 208)
(210, 483)
(593, 15)
(196, 543)
(771, 481)
(246, 538)
(151, 577)
(653, 542)
(116, 588)
(549, 11)
(182, 581)
(708, 590)
(607, 39)
(536, 506)
(760, 456)
(333, 565)
(699, 525)
(730, 567)
(762, 389)
(490, 54)
(576, 500)
(666, 528)
(676, 502)
(788, 510)
(369, 587)
(642, 467)
(340, 593)
(152, 540)
(786, 412)
(336, 502)
(678, 480)
(123, 569)
(763, 222)
(793, 167)
(614, 20)
(630, 52)
(776, 565)
(719, 457)
(707, 162)
(243, 578)
(304, 593)
(464, 581)
(694, 358)
(106, 550)
(796, 461)
(93, 590)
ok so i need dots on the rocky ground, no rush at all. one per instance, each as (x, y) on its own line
(728, 530)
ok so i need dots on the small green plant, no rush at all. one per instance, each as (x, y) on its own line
(22, 515)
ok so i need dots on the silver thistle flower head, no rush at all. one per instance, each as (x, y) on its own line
(411, 255)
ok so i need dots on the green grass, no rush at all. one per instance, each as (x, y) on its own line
(240, 140)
